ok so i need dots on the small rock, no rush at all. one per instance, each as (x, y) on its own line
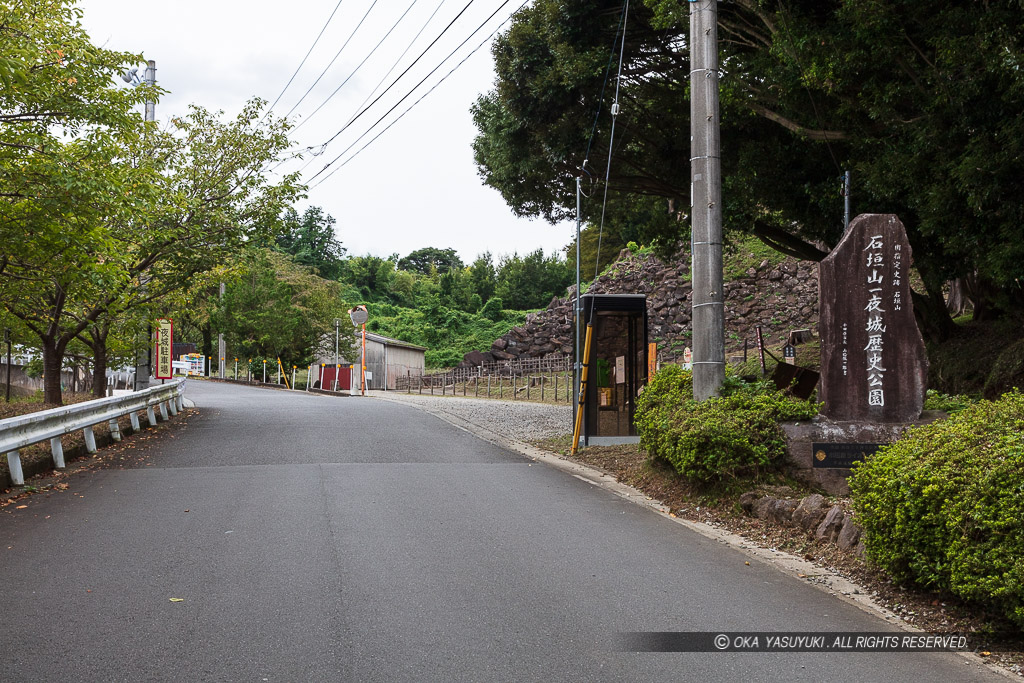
(782, 511)
(831, 525)
(762, 506)
(809, 513)
(747, 501)
(849, 536)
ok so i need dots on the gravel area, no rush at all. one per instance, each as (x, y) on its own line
(521, 420)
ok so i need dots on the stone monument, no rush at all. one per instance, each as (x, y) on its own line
(873, 363)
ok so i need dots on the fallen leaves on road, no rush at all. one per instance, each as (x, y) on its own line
(177, 599)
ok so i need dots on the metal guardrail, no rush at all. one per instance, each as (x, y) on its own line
(25, 430)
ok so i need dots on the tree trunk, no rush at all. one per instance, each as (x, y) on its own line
(956, 302)
(930, 310)
(99, 371)
(97, 339)
(53, 358)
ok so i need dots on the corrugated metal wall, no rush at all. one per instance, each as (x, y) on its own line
(400, 362)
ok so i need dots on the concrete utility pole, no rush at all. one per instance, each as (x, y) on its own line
(142, 358)
(221, 347)
(576, 304)
(706, 203)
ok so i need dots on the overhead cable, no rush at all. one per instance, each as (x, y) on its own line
(334, 59)
(358, 66)
(422, 97)
(400, 76)
(309, 52)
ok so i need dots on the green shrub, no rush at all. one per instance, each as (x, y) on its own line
(943, 506)
(936, 400)
(730, 436)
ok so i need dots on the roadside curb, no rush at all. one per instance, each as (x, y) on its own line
(797, 568)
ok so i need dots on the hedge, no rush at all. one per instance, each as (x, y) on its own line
(734, 435)
(943, 507)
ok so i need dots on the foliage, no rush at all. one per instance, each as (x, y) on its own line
(492, 309)
(744, 252)
(981, 358)
(530, 282)
(312, 242)
(447, 333)
(428, 259)
(276, 308)
(936, 400)
(942, 506)
(734, 435)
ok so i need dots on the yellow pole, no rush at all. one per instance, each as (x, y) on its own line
(284, 375)
(583, 391)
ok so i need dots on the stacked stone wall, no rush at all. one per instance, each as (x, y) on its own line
(780, 296)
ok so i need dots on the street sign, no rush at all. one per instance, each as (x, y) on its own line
(164, 346)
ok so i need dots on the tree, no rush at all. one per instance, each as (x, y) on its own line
(531, 281)
(277, 308)
(371, 276)
(146, 214)
(311, 240)
(63, 172)
(482, 276)
(919, 99)
(422, 260)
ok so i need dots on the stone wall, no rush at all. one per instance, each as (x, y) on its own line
(780, 297)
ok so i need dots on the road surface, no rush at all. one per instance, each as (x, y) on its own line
(280, 536)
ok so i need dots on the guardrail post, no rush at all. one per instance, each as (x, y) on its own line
(134, 417)
(172, 405)
(14, 465)
(90, 439)
(115, 430)
(163, 411)
(57, 448)
(151, 415)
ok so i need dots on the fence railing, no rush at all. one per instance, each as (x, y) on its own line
(543, 379)
(18, 432)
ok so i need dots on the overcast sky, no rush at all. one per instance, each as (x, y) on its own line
(416, 186)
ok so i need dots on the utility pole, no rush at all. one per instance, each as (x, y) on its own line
(221, 348)
(337, 324)
(706, 203)
(576, 304)
(143, 356)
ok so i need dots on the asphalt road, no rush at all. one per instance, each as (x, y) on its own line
(352, 539)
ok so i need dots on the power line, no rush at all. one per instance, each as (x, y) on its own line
(400, 76)
(413, 89)
(358, 66)
(323, 147)
(611, 141)
(422, 97)
(336, 55)
(309, 52)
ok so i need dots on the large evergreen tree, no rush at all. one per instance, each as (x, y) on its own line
(920, 100)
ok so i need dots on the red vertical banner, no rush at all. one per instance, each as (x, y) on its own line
(164, 348)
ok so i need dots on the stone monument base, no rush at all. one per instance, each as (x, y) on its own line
(801, 435)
